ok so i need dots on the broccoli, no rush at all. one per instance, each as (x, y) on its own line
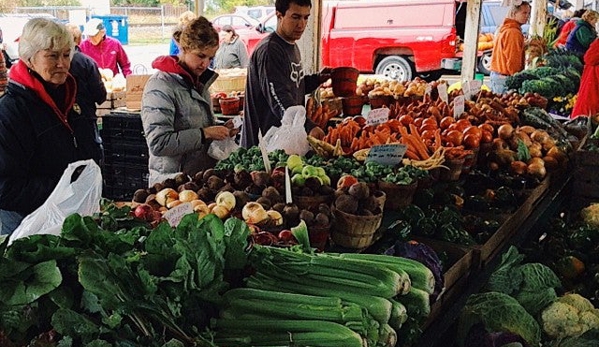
(569, 315)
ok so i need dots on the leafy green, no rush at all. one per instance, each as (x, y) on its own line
(498, 312)
(127, 286)
(588, 339)
(523, 152)
(532, 284)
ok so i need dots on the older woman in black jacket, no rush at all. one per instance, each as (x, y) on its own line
(42, 128)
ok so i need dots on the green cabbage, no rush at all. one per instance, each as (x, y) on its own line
(498, 312)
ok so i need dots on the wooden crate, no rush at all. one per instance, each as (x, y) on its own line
(511, 225)
(113, 100)
(464, 263)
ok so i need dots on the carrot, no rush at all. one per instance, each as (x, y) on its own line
(437, 142)
(411, 154)
(419, 147)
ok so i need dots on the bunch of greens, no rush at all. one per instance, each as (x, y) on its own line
(532, 284)
(130, 287)
(250, 159)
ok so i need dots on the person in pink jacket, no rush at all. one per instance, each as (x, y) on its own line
(105, 50)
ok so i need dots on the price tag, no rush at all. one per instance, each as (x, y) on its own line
(264, 152)
(288, 198)
(389, 154)
(377, 116)
(458, 106)
(442, 89)
(467, 89)
(175, 214)
(475, 86)
(237, 122)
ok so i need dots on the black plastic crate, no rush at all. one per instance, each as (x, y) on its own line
(122, 126)
(125, 176)
(117, 193)
(131, 152)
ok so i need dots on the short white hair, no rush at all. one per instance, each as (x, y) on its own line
(40, 34)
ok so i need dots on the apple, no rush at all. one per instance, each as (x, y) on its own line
(346, 181)
(320, 172)
(143, 211)
(294, 161)
(226, 199)
(326, 180)
(298, 180)
(285, 235)
(309, 171)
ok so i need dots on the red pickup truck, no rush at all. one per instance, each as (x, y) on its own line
(399, 39)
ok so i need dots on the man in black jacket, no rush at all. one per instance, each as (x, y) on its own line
(276, 78)
(90, 87)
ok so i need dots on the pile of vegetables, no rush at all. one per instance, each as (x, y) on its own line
(558, 77)
(522, 305)
(324, 299)
(125, 286)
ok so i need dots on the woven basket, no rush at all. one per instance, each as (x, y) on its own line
(311, 202)
(319, 236)
(454, 172)
(352, 231)
(398, 196)
(228, 84)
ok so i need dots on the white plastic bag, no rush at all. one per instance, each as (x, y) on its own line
(221, 149)
(291, 136)
(81, 196)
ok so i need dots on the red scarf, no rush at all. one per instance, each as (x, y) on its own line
(21, 74)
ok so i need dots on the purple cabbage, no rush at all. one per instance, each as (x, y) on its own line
(478, 336)
(424, 254)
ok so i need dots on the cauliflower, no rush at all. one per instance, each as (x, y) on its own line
(569, 315)
(590, 214)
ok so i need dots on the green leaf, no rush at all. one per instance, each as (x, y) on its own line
(90, 302)
(236, 240)
(523, 153)
(504, 279)
(98, 343)
(41, 279)
(71, 323)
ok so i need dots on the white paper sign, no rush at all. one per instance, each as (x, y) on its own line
(264, 152)
(467, 89)
(442, 89)
(237, 122)
(175, 214)
(389, 154)
(377, 116)
(288, 198)
(458, 106)
(475, 86)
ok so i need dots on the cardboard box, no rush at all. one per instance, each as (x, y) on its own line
(113, 100)
(135, 89)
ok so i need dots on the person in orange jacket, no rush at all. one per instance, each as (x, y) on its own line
(508, 54)
(587, 102)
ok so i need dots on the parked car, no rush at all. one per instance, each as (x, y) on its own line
(257, 12)
(236, 20)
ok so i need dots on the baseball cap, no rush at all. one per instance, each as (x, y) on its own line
(93, 26)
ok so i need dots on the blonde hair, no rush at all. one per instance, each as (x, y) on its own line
(589, 15)
(186, 17)
(75, 31)
(40, 34)
(517, 7)
(198, 34)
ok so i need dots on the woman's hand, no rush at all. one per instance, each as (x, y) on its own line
(216, 132)
(231, 126)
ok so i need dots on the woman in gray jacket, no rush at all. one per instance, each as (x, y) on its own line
(177, 115)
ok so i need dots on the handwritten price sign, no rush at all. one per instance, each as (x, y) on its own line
(389, 154)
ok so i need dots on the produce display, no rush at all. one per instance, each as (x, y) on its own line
(334, 248)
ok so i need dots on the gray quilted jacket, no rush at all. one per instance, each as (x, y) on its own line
(174, 110)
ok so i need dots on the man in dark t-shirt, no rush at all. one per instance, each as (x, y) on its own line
(276, 79)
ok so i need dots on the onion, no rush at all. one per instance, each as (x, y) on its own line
(518, 167)
(505, 131)
(254, 213)
(527, 129)
(539, 136)
(535, 151)
(537, 170)
(536, 160)
(550, 162)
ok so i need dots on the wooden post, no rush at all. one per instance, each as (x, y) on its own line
(199, 8)
(538, 18)
(469, 58)
(309, 44)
